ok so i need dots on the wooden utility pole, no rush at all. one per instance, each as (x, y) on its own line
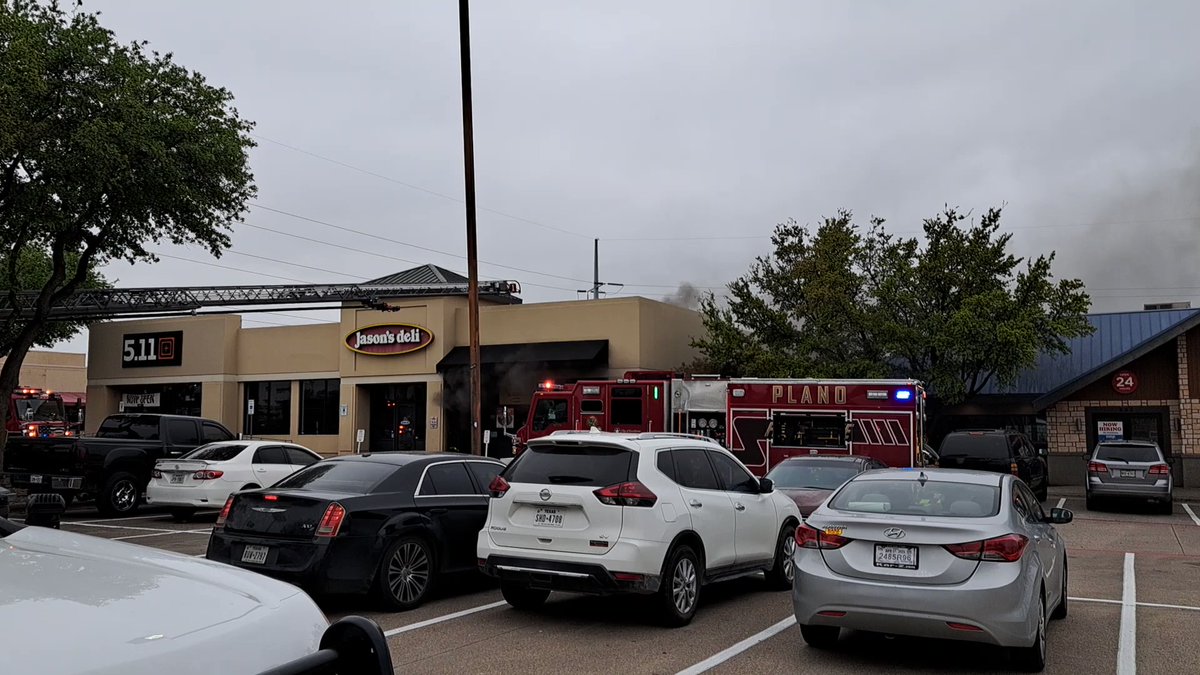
(464, 40)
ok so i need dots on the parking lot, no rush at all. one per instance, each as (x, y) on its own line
(1134, 587)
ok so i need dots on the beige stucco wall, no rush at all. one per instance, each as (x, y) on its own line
(59, 371)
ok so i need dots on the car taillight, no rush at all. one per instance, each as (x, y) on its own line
(1097, 467)
(225, 512)
(1013, 468)
(331, 522)
(156, 474)
(632, 493)
(810, 537)
(1160, 470)
(207, 474)
(1008, 548)
(498, 487)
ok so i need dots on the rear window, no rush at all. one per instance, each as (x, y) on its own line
(910, 498)
(129, 427)
(352, 477)
(1128, 453)
(586, 465)
(820, 475)
(215, 453)
(990, 446)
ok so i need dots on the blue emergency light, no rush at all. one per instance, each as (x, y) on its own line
(903, 394)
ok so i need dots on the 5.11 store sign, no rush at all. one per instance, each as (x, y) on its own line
(144, 350)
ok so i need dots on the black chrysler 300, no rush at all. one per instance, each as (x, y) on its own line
(388, 524)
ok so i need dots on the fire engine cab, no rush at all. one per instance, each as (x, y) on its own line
(35, 412)
(762, 421)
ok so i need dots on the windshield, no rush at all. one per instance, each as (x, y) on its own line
(590, 465)
(991, 446)
(911, 498)
(40, 410)
(820, 475)
(353, 477)
(215, 452)
(1128, 453)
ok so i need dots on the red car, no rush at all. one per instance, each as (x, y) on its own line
(810, 480)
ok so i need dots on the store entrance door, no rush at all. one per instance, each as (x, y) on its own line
(1148, 424)
(397, 417)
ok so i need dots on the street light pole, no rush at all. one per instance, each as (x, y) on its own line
(464, 40)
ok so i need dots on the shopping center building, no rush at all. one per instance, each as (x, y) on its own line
(400, 376)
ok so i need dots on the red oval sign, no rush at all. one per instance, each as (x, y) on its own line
(388, 339)
(1124, 382)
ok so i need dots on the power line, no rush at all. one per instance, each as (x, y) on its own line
(412, 186)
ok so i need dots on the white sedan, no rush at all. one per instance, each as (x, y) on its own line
(126, 609)
(205, 477)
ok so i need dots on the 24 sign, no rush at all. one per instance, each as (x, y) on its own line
(1124, 382)
(147, 350)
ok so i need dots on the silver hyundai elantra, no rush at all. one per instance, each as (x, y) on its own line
(936, 553)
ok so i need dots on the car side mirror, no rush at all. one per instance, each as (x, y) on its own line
(1041, 452)
(1060, 516)
(766, 486)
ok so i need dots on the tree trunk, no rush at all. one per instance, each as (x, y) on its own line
(9, 376)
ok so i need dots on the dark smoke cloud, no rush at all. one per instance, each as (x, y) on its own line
(686, 295)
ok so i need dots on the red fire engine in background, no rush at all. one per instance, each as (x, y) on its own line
(762, 421)
(35, 412)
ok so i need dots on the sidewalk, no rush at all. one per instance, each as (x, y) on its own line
(1182, 494)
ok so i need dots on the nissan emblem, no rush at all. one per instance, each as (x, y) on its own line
(544, 494)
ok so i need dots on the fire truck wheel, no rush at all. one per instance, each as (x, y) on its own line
(781, 574)
(120, 495)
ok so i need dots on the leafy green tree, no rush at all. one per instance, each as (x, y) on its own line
(105, 149)
(953, 309)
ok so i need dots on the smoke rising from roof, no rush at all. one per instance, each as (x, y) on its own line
(686, 295)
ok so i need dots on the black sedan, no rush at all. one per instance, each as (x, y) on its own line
(387, 523)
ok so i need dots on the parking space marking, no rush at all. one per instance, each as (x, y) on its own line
(724, 655)
(159, 534)
(1127, 644)
(1191, 513)
(444, 618)
(122, 527)
(1061, 502)
(118, 520)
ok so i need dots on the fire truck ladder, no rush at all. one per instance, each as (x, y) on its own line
(100, 304)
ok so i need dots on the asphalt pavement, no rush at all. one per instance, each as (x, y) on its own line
(1134, 587)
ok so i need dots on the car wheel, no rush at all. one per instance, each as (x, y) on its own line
(1043, 493)
(182, 515)
(1032, 659)
(1167, 507)
(1060, 612)
(820, 637)
(679, 593)
(522, 597)
(1090, 502)
(780, 576)
(405, 577)
(120, 495)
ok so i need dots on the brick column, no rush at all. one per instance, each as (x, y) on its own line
(1189, 408)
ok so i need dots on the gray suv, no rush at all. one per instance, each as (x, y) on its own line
(1129, 469)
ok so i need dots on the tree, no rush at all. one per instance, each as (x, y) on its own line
(105, 149)
(955, 310)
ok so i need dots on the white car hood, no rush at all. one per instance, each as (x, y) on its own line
(72, 603)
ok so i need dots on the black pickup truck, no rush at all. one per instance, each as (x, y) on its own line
(114, 465)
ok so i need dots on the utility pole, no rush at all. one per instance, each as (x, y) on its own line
(464, 41)
(594, 292)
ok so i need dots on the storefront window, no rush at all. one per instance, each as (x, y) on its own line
(272, 408)
(177, 398)
(319, 401)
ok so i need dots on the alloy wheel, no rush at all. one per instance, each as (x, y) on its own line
(408, 572)
(789, 552)
(124, 495)
(684, 586)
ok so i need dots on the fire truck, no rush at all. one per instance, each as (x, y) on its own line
(35, 412)
(762, 421)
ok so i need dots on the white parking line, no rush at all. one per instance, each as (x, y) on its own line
(1061, 502)
(1156, 605)
(1191, 513)
(1127, 644)
(117, 520)
(723, 656)
(445, 617)
(132, 527)
(160, 534)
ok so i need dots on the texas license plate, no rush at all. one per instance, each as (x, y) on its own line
(548, 517)
(35, 479)
(256, 555)
(176, 478)
(1126, 473)
(896, 557)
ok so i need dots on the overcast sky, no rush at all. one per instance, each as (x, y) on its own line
(619, 119)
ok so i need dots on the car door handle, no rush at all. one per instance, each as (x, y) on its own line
(695, 503)
(739, 506)
(261, 470)
(437, 512)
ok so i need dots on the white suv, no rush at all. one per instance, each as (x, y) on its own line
(664, 514)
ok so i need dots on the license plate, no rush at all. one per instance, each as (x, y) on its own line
(897, 557)
(35, 479)
(255, 554)
(176, 478)
(548, 518)
(1127, 473)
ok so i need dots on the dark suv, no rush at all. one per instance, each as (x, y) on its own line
(997, 450)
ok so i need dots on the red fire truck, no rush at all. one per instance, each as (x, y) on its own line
(762, 421)
(35, 412)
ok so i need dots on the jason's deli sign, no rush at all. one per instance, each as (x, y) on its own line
(389, 339)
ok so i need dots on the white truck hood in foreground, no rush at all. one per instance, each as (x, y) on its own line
(71, 603)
